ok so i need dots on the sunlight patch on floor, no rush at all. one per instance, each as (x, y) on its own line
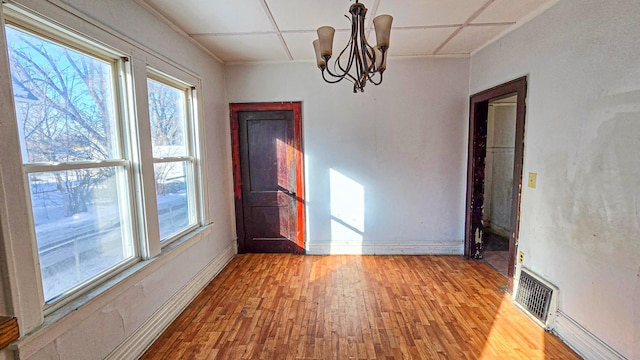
(503, 332)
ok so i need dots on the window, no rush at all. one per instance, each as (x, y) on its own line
(171, 117)
(87, 155)
(74, 161)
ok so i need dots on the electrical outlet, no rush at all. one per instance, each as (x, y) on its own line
(520, 257)
(532, 180)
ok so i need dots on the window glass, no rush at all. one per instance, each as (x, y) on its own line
(64, 101)
(174, 197)
(70, 147)
(78, 225)
(174, 165)
(168, 118)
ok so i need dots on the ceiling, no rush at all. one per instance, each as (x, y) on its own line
(283, 30)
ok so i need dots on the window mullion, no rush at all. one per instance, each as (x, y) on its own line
(42, 167)
(125, 177)
(143, 159)
(173, 159)
(200, 157)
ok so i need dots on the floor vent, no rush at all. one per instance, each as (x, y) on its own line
(537, 297)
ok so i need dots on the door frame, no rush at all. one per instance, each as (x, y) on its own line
(477, 147)
(234, 110)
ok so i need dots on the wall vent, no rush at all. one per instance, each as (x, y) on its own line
(537, 297)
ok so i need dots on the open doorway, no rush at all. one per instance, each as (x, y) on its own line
(494, 175)
(498, 182)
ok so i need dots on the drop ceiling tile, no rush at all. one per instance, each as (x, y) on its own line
(510, 11)
(235, 48)
(301, 44)
(471, 38)
(241, 30)
(215, 16)
(409, 42)
(310, 15)
(429, 12)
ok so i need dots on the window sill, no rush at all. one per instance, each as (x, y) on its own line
(83, 307)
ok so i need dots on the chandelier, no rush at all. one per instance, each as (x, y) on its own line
(358, 62)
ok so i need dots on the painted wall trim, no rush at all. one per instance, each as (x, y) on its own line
(135, 345)
(452, 247)
(582, 341)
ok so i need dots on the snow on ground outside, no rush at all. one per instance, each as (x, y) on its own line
(76, 248)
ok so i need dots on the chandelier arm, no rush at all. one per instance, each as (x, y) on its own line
(362, 75)
(339, 78)
(361, 50)
(368, 66)
(366, 53)
(336, 76)
(338, 64)
(358, 61)
(371, 61)
(377, 71)
(350, 45)
(371, 79)
(370, 75)
(344, 75)
(345, 72)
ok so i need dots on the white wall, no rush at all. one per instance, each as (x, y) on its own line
(402, 144)
(98, 326)
(501, 130)
(580, 227)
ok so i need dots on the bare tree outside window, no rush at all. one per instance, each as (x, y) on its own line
(73, 119)
(69, 140)
(167, 115)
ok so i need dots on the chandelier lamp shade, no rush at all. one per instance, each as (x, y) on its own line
(358, 62)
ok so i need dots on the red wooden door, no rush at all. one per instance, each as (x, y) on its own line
(268, 216)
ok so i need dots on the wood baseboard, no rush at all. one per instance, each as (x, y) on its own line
(582, 341)
(9, 331)
(452, 247)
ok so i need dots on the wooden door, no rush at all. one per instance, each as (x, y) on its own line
(268, 176)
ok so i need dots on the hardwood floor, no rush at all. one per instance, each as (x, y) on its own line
(267, 306)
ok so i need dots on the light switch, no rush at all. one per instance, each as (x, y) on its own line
(532, 180)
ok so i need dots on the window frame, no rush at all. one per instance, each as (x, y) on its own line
(130, 99)
(191, 127)
(121, 159)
